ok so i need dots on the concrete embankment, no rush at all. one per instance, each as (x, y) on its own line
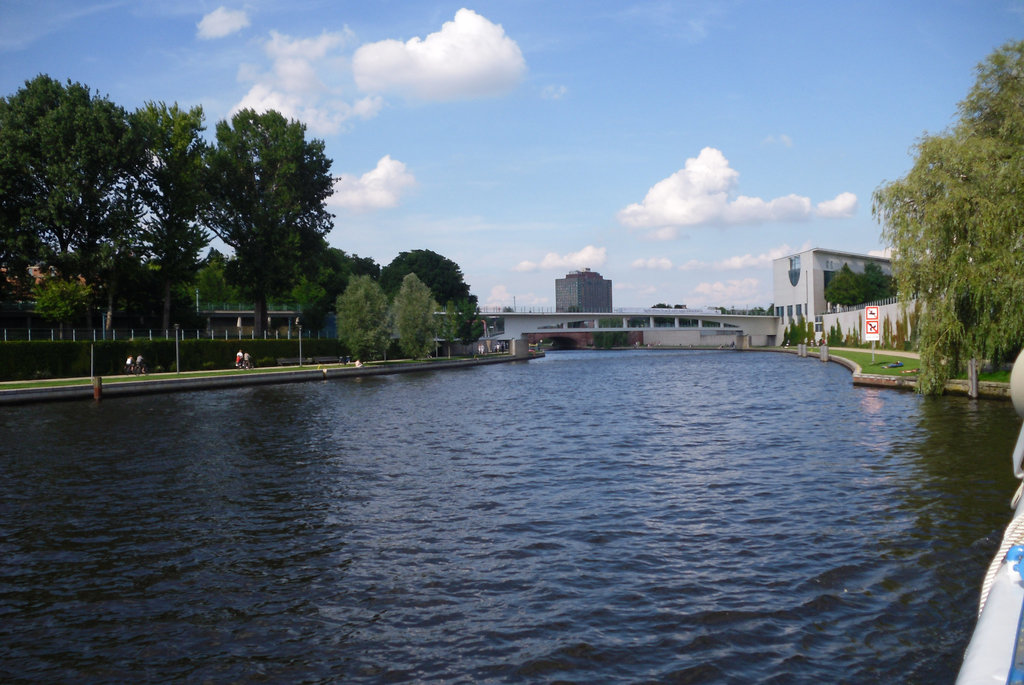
(81, 389)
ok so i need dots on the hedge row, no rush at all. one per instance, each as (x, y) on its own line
(23, 360)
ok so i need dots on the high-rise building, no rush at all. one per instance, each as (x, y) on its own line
(583, 291)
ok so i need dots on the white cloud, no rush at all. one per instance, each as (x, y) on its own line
(699, 194)
(222, 22)
(501, 297)
(588, 257)
(297, 83)
(842, 206)
(380, 188)
(469, 57)
(553, 92)
(746, 291)
(782, 139)
(654, 264)
(294, 59)
(746, 261)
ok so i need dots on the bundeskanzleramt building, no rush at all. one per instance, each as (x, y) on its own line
(799, 282)
(583, 291)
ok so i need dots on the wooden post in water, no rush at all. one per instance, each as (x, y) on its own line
(97, 388)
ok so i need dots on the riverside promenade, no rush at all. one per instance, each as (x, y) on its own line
(22, 392)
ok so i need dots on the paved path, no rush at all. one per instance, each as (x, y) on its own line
(82, 388)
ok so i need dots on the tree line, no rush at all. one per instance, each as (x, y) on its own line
(117, 207)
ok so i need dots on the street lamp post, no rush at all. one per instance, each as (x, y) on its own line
(300, 339)
(177, 357)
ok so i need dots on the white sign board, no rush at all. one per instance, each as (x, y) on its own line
(872, 329)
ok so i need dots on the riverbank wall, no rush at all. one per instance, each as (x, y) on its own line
(167, 383)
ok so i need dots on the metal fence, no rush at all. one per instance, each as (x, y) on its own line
(97, 334)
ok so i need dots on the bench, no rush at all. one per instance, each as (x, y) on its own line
(292, 361)
(329, 360)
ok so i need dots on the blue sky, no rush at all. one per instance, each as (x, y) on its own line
(675, 147)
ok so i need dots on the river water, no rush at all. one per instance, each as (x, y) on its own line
(588, 517)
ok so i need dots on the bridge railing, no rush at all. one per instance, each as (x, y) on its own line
(630, 311)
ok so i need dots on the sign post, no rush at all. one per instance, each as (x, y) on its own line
(872, 331)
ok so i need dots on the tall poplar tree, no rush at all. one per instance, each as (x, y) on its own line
(954, 223)
(268, 186)
(364, 323)
(173, 189)
(414, 310)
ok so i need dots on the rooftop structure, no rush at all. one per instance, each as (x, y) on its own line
(583, 291)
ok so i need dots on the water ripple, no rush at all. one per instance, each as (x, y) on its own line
(642, 516)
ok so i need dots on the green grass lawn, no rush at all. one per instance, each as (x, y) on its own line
(911, 365)
(880, 364)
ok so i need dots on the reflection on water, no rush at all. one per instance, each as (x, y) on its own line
(664, 516)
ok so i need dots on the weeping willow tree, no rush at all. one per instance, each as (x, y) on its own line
(955, 223)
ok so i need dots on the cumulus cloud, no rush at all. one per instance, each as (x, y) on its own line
(588, 257)
(744, 291)
(469, 57)
(222, 22)
(379, 188)
(842, 206)
(501, 297)
(298, 83)
(701, 194)
(746, 261)
(654, 264)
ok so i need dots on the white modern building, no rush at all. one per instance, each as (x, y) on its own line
(799, 283)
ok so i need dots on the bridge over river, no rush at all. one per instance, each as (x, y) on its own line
(654, 327)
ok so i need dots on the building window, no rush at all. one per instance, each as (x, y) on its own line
(794, 270)
(799, 310)
(789, 311)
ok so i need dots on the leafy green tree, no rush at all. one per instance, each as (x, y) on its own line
(62, 300)
(364, 323)
(469, 325)
(448, 328)
(440, 274)
(877, 285)
(173, 189)
(328, 276)
(69, 164)
(954, 225)
(414, 309)
(845, 288)
(268, 186)
(211, 280)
